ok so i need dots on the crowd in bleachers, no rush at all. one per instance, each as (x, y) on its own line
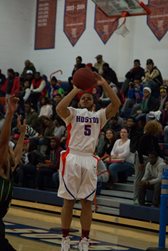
(131, 142)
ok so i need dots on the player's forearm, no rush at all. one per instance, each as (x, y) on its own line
(19, 149)
(65, 102)
(111, 94)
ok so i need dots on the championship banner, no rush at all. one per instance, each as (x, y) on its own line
(75, 19)
(45, 24)
(104, 25)
(158, 19)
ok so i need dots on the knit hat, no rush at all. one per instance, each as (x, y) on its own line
(147, 89)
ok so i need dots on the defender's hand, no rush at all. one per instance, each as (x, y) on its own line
(12, 103)
(21, 126)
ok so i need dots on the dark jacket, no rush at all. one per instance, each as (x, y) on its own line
(147, 144)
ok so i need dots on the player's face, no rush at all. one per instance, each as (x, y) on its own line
(86, 101)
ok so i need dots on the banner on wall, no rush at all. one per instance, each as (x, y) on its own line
(75, 19)
(158, 19)
(104, 25)
(45, 24)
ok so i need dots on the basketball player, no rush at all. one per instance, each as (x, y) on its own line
(78, 166)
(9, 159)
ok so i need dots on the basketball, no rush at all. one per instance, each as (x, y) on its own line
(84, 78)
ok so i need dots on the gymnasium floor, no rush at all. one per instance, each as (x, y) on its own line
(30, 230)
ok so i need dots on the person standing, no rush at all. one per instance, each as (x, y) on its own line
(99, 64)
(9, 159)
(78, 165)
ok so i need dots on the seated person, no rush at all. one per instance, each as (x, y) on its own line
(135, 73)
(134, 96)
(151, 179)
(153, 77)
(102, 175)
(26, 172)
(148, 104)
(50, 165)
(107, 143)
(109, 74)
(121, 159)
(148, 142)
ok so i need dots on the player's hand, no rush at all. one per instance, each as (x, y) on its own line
(76, 88)
(21, 125)
(12, 104)
(100, 80)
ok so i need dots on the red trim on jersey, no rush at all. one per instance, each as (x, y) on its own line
(64, 155)
(69, 127)
(97, 158)
(95, 199)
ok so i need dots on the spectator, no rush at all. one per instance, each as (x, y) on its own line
(38, 90)
(164, 121)
(30, 114)
(77, 66)
(99, 64)
(153, 77)
(148, 104)
(115, 123)
(133, 98)
(109, 74)
(163, 96)
(45, 108)
(29, 66)
(12, 84)
(151, 179)
(147, 144)
(56, 88)
(26, 173)
(121, 158)
(2, 82)
(135, 132)
(50, 165)
(108, 143)
(136, 73)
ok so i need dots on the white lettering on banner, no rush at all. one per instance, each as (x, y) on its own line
(75, 24)
(42, 16)
(43, 5)
(42, 20)
(42, 25)
(70, 8)
(43, 9)
(46, 12)
(80, 6)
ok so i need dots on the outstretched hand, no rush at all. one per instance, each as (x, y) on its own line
(12, 103)
(21, 125)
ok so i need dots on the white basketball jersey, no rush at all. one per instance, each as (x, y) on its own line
(84, 128)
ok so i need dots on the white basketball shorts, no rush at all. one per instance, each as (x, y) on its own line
(78, 176)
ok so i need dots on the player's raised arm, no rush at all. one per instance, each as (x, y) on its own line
(19, 146)
(113, 107)
(6, 129)
(62, 107)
